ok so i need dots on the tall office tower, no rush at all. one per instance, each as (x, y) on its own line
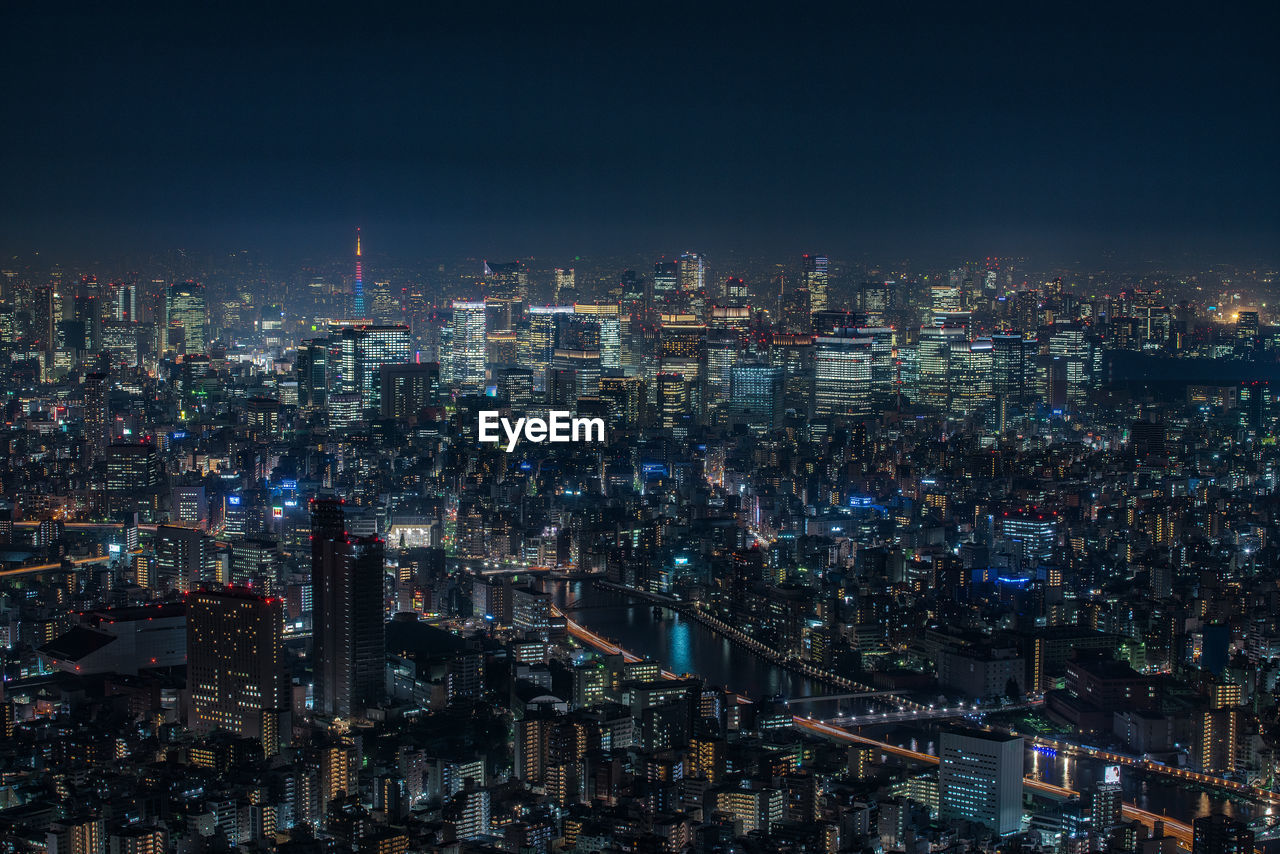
(666, 286)
(608, 318)
(235, 668)
(876, 298)
(631, 291)
(693, 283)
(356, 353)
(565, 285)
(312, 368)
(673, 402)
(97, 412)
(734, 317)
(43, 313)
(933, 362)
(842, 374)
(625, 397)
(500, 349)
(585, 365)
(756, 393)
(680, 351)
(735, 291)
(540, 338)
(1012, 368)
(794, 354)
(186, 311)
(1220, 834)
(184, 557)
(1069, 342)
(348, 627)
(384, 306)
(409, 388)
(884, 380)
(506, 281)
(124, 302)
(814, 278)
(723, 348)
(357, 301)
(1034, 533)
(980, 779)
(133, 481)
(944, 296)
(468, 346)
(970, 371)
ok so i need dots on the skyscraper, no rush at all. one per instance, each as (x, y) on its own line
(187, 313)
(468, 344)
(540, 337)
(756, 393)
(565, 285)
(842, 374)
(312, 367)
(814, 277)
(348, 627)
(606, 317)
(97, 411)
(358, 352)
(980, 778)
(234, 669)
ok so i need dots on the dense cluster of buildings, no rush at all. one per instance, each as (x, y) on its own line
(263, 588)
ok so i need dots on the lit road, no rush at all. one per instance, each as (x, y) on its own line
(48, 567)
(83, 526)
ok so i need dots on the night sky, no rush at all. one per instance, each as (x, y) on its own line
(1069, 130)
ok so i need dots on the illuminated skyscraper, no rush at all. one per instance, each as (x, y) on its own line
(755, 391)
(585, 365)
(609, 339)
(970, 372)
(235, 672)
(693, 283)
(357, 352)
(933, 362)
(312, 367)
(842, 374)
(666, 282)
(723, 348)
(565, 285)
(469, 346)
(541, 336)
(813, 276)
(187, 313)
(506, 281)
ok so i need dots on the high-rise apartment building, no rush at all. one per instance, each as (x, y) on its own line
(235, 672)
(348, 620)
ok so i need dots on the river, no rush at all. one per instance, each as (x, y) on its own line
(684, 646)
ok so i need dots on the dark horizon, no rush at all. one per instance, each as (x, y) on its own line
(860, 133)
